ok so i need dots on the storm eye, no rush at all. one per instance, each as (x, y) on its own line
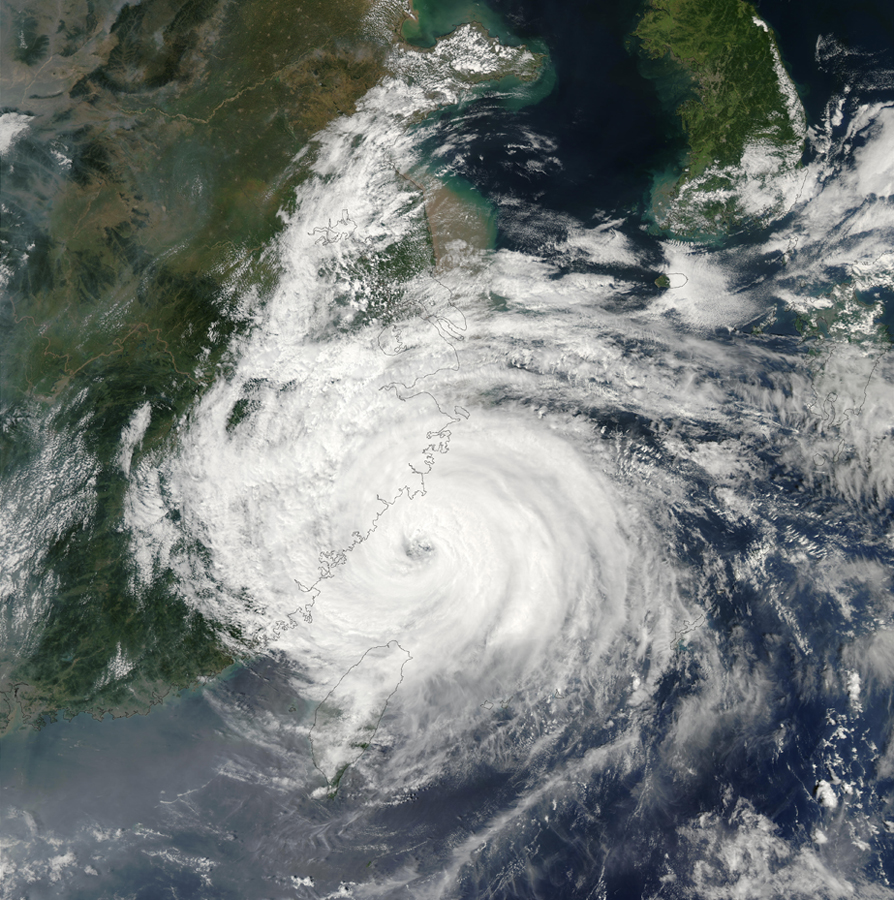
(418, 548)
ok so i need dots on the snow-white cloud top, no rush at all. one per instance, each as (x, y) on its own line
(13, 126)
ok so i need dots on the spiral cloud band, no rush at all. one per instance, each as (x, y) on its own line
(512, 524)
(483, 543)
(371, 494)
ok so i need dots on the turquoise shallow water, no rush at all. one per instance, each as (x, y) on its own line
(433, 20)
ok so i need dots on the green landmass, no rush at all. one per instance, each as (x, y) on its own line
(524, 75)
(372, 286)
(721, 66)
(180, 122)
(164, 144)
(843, 314)
(347, 719)
(855, 310)
(160, 152)
(730, 60)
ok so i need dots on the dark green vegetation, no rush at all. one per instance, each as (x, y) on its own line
(717, 66)
(383, 277)
(373, 287)
(843, 314)
(729, 58)
(159, 155)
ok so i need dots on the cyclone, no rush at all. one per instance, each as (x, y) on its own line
(339, 494)
(512, 538)
(505, 533)
(447, 450)
(488, 544)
